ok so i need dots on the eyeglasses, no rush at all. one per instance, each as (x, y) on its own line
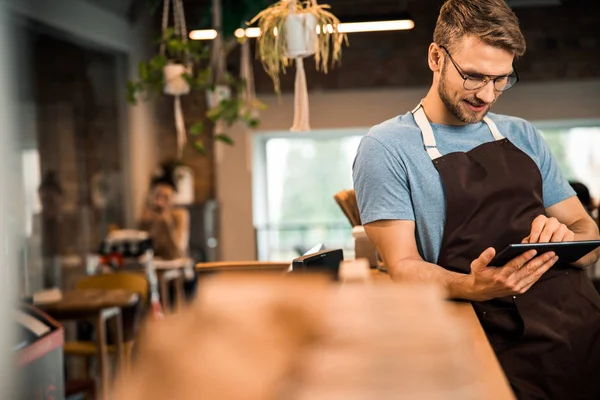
(476, 81)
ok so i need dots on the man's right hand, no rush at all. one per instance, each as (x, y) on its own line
(516, 277)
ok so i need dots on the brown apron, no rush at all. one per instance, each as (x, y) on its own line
(548, 339)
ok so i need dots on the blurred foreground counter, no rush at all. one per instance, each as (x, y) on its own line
(275, 337)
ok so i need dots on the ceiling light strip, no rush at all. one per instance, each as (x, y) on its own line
(344, 27)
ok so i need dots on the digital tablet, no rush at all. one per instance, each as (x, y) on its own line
(566, 251)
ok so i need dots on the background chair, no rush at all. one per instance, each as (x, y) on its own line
(131, 281)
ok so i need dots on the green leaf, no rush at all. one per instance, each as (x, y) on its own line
(258, 105)
(188, 78)
(231, 110)
(253, 123)
(158, 62)
(175, 46)
(203, 77)
(143, 71)
(131, 95)
(195, 46)
(214, 114)
(199, 146)
(132, 91)
(197, 129)
(205, 54)
(224, 138)
(168, 34)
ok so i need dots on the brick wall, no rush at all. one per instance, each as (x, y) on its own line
(77, 134)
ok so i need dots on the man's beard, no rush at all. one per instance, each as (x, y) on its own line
(465, 116)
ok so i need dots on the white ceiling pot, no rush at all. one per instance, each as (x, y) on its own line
(293, 30)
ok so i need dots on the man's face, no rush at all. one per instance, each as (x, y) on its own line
(161, 197)
(474, 58)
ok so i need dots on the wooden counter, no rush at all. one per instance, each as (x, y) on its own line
(350, 341)
(492, 377)
(486, 367)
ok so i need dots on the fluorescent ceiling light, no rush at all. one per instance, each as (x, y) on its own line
(376, 26)
(204, 34)
(344, 27)
(248, 32)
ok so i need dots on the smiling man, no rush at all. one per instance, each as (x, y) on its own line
(445, 186)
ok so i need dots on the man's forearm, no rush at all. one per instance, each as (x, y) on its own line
(586, 229)
(457, 285)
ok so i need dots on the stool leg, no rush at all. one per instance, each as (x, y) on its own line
(102, 356)
(164, 295)
(128, 356)
(118, 325)
(179, 291)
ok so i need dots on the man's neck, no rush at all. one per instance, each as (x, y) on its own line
(436, 110)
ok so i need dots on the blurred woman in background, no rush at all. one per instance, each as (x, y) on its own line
(169, 227)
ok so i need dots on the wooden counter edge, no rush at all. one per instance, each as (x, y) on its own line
(495, 382)
(242, 266)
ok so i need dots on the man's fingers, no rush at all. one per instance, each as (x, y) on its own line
(531, 267)
(550, 227)
(484, 259)
(528, 281)
(517, 262)
(560, 234)
(536, 228)
(569, 236)
(526, 240)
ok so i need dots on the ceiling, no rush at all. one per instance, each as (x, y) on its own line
(533, 3)
(344, 9)
(117, 7)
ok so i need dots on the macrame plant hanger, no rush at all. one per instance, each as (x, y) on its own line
(247, 74)
(301, 111)
(248, 95)
(176, 85)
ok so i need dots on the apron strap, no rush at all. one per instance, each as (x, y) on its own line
(492, 125)
(426, 132)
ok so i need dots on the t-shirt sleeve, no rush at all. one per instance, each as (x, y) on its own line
(380, 182)
(555, 187)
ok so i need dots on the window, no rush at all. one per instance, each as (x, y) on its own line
(296, 176)
(576, 146)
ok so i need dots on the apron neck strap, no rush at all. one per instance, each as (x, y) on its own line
(492, 125)
(427, 132)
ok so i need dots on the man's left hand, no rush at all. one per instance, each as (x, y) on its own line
(544, 229)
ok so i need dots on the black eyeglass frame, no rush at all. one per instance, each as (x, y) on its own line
(485, 80)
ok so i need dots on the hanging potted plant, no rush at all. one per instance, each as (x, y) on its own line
(181, 67)
(293, 30)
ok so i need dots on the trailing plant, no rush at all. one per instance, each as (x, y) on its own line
(194, 55)
(151, 78)
(272, 43)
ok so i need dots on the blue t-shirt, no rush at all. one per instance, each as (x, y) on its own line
(395, 179)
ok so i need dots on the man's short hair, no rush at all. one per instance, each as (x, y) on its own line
(492, 21)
